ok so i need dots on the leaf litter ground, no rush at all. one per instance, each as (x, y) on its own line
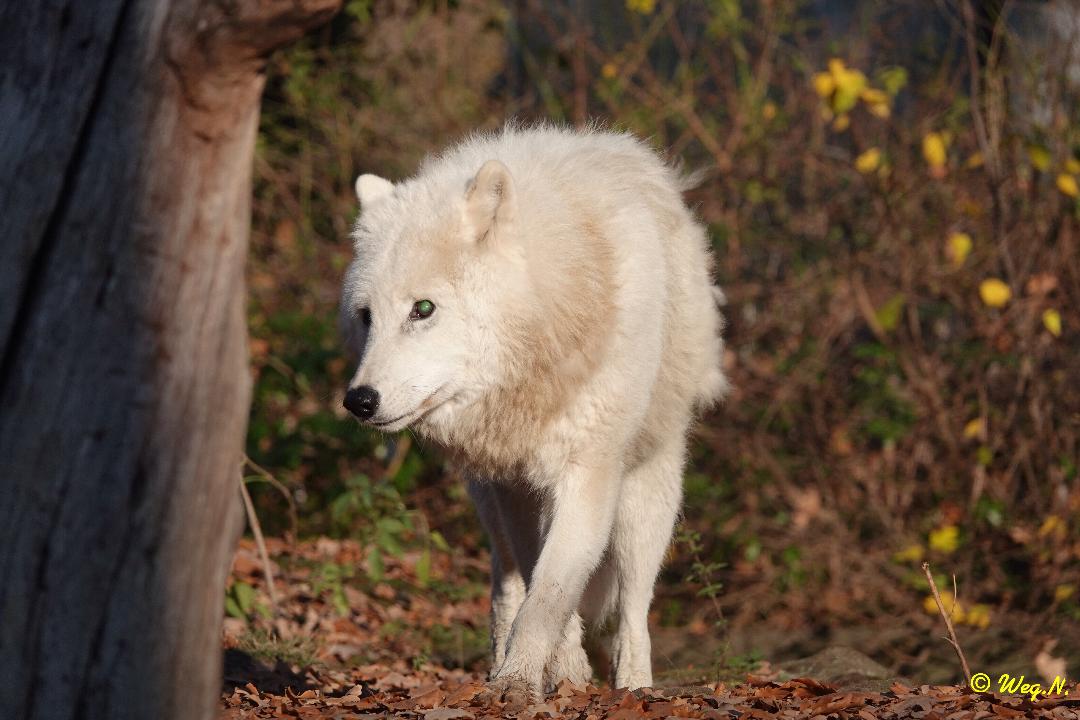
(330, 650)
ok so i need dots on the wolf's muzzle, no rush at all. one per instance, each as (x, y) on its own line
(362, 401)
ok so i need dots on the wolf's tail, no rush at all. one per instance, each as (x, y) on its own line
(688, 179)
(714, 384)
(719, 297)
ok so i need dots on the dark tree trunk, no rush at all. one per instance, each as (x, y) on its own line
(126, 136)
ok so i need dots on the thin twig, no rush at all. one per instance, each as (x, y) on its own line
(987, 144)
(948, 621)
(294, 522)
(256, 529)
(974, 68)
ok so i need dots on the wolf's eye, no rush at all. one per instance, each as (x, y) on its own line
(421, 309)
(365, 317)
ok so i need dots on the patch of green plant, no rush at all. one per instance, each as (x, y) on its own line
(457, 645)
(705, 573)
(1068, 467)
(361, 500)
(420, 659)
(794, 574)
(887, 415)
(331, 577)
(458, 589)
(375, 514)
(733, 668)
(702, 490)
(392, 629)
(671, 612)
(242, 602)
(265, 645)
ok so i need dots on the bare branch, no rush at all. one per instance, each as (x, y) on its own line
(947, 617)
(260, 542)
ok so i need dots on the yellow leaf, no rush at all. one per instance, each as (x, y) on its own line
(952, 608)
(975, 428)
(1067, 184)
(1064, 592)
(824, 84)
(933, 150)
(868, 161)
(975, 161)
(873, 96)
(978, 616)
(609, 70)
(1052, 525)
(644, 7)
(945, 539)
(893, 79)
(888, 315)
(841, 123)
(912, 553)
(959, 247)
(768, 110)
(849, 83)
(1040, 157)
(880, 110)
(994, 292)
(1072, 165)
(1052, 321)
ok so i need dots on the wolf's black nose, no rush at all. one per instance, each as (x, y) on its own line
(362, 401)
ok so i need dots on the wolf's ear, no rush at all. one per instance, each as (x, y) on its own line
(489, 200)
(372, 188)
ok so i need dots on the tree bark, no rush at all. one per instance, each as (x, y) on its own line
(127, 129)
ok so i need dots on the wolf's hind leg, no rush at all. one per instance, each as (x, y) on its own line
(507, 584)
(645, 518)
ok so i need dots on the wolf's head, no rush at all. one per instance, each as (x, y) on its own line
(437, 281)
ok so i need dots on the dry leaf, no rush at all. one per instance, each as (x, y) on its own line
(1048, 666)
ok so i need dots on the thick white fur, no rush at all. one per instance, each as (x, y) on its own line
(576, 333)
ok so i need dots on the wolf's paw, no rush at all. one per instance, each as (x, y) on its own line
(569, 663)
(512, 691)
(634, 681)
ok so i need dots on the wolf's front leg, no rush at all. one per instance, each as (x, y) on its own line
(582, 514)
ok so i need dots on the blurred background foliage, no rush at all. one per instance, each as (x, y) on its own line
(893, 206)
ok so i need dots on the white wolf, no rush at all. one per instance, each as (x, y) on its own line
(539, 301)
